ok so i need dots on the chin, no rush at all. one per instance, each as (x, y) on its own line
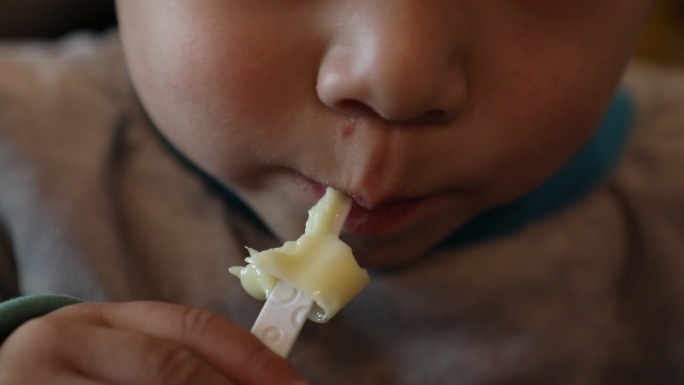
(389, 253)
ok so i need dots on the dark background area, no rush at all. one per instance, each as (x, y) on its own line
(52, 18)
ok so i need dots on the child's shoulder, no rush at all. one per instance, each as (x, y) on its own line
(50, 89)
(35, 71)
(658, 135)
(649, 181)
(61, 103)
(658, 92)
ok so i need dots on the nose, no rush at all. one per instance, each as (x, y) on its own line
(398, 63)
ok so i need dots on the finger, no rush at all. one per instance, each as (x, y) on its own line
(25, 358)
(71, 347)
(132, 358)
(226, 346)
(43, 375)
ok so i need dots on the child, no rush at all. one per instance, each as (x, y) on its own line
(520, 211)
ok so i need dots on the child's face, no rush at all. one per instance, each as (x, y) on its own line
(427, 112)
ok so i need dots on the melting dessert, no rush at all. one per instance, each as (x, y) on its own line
(317, 264)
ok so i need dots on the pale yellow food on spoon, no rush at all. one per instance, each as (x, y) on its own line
(317, 264)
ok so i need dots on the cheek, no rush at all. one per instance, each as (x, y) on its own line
(537, 111)
(214, 100)
(542, 77)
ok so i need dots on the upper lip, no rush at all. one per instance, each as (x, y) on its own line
(376, 203)
(368, 200)
(382, 204)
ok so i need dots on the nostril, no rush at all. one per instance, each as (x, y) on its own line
(391, 90)
(434, 116)
(356, 109)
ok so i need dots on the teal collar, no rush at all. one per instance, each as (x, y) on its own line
(585, 171)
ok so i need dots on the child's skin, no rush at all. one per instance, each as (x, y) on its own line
(427, 112)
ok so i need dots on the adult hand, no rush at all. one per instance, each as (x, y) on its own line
(146, 343)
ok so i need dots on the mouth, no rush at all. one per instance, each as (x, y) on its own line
(378, 219)
(385, 219)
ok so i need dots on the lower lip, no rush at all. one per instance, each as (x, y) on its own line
(382, 221)
(385, 220)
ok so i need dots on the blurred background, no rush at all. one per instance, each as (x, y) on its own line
(663, 40)
(50, 18)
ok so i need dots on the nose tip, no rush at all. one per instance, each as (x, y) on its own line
(392, 102)
(397, 82)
